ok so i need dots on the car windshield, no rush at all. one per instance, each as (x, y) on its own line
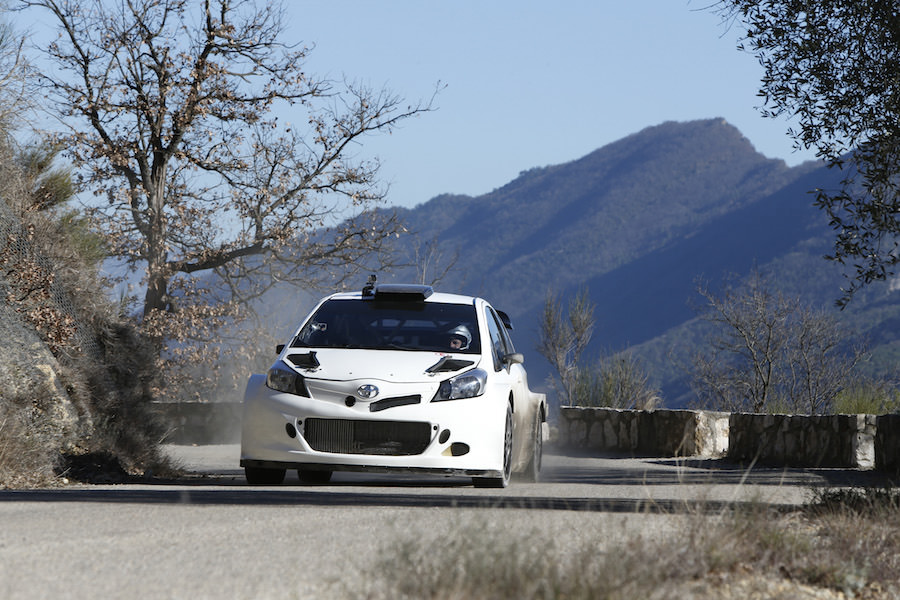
(368, 324)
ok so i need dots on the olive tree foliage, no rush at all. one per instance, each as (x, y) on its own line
(220, 166)
(615, 381)
(767, 352)
(833, 67)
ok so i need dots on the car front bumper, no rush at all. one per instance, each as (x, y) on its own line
(454, 437)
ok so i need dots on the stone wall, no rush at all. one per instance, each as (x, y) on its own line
(803, 441)
(647, 433)
(846, 441)
(887, 443)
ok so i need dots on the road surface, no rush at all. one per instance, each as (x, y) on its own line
(211, 535)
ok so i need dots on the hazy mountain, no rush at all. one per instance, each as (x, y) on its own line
(637, 222)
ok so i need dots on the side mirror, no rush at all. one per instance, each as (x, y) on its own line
(279, 348)
(514, 358)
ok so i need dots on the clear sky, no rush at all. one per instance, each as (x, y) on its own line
(532, 83)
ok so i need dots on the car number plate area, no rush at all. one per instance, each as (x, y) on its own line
(351, 436)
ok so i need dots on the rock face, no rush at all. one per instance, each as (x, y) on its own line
(30, 380)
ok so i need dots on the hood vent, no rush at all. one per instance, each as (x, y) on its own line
(303, 361)
(448, 365)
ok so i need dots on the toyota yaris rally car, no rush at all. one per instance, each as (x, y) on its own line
(395, 378)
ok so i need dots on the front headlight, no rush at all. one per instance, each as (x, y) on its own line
(467, 385)
(283, 379)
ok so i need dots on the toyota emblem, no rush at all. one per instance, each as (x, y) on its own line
(367, 391)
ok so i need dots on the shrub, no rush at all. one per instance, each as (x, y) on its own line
(617, 381)
(868, 396)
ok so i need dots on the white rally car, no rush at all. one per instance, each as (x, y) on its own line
(395, 378)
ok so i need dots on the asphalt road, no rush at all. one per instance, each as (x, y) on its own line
(211, 535)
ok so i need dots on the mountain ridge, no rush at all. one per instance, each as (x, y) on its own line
(636, 223)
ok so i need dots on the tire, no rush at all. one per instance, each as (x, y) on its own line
(532, 472)
(262, 476)
(502, 481)
(314, 477)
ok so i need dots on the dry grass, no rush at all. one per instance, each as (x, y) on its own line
(843, 545)
(26, 456)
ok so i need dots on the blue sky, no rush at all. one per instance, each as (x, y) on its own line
(531, 84)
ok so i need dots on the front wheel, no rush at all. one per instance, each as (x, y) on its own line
(503, 480)
(262, 476)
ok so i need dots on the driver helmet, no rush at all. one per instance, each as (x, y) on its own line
(462, 332)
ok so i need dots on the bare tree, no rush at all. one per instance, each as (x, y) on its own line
(563, 339)
(430, 261)
(770, 352)
(214, 152)
(615, 380)
(16, 95)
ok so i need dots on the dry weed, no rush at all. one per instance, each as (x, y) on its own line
(744, 552)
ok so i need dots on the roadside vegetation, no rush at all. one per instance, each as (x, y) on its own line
(843, 544)
(80, 407)
(614, 380)
(766, 351)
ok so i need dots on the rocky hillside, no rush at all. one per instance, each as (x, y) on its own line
(75, 380)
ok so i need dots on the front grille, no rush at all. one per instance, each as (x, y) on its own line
(349, 436)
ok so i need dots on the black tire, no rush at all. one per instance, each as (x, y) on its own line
(532, 472)
(314, 477)
(262, 476)
(502, 481)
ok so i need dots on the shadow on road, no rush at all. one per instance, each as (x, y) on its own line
(286, 496)
(568, 484)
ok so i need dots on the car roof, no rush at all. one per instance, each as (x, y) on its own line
(441, 297)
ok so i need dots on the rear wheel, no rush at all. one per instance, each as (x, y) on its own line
(533, 470)
(262, 476)
(503, 480)
(314, 477)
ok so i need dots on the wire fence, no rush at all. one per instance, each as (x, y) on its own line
(21, 259)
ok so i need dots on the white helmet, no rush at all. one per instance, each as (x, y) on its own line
(462, 331)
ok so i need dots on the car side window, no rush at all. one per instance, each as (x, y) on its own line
(498, 339)
(506, 339)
